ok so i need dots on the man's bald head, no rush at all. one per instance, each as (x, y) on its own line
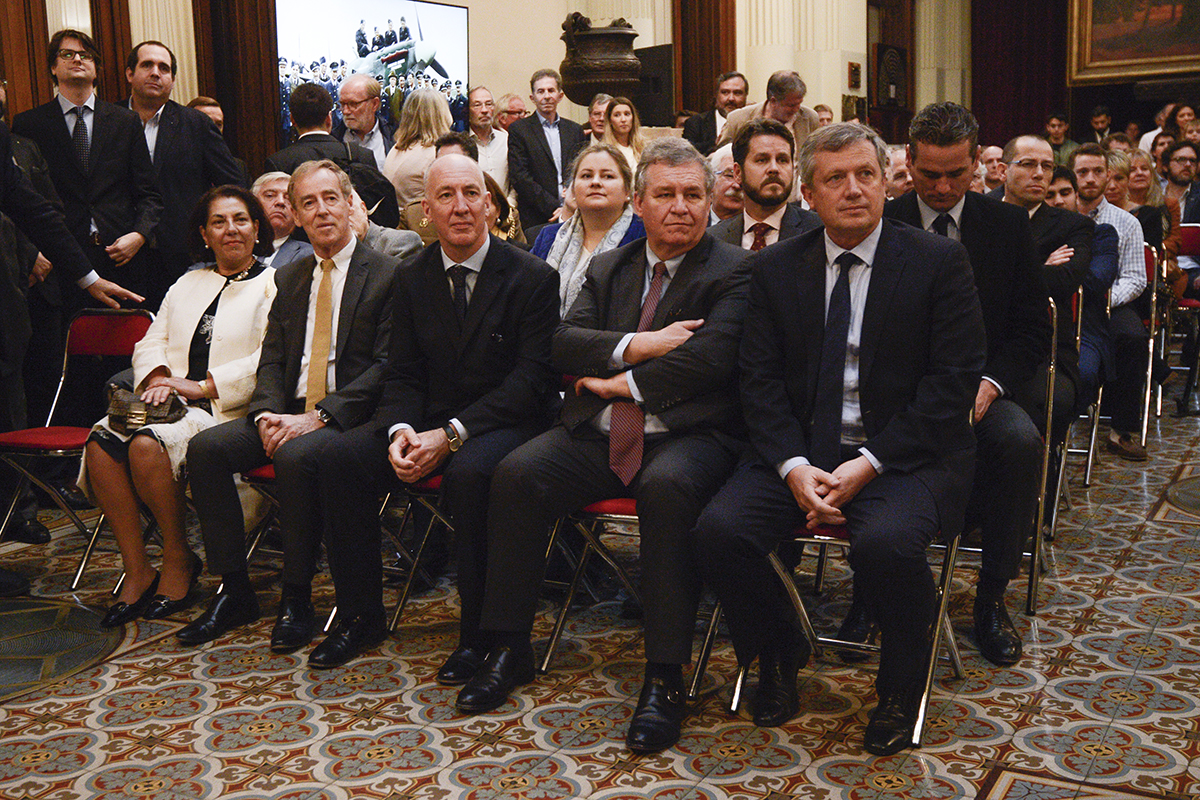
(457, 203)
(451, 161)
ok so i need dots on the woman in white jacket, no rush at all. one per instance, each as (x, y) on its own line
(203, 346)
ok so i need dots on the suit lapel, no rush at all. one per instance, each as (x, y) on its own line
(810, 302)
(885, 276)
(298, 302)
(487, 284)
(625, 296)
(101, 132)
(691, 266)
(356, 278)
(168, 131)
(57, 124)
(437, 294)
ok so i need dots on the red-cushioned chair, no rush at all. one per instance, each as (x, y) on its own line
(1189, 245)
(93, 332)
(824, 537)
(1091, 418)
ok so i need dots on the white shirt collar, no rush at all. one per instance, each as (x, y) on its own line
(341, 259)
(865, 249)
(66, 105)
(475, 262)
(774, 220)
(928, 215)
(671, 264)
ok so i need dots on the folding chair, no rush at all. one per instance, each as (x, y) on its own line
(92, 332)
(1153, 262)
(1189, 245)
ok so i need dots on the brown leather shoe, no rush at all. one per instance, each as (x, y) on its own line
(1127, 448)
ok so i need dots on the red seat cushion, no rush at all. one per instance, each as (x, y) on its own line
(264, 473)
(828, 531)
(617, 506)
(58, 437)
(430, 484)
(1188, 303)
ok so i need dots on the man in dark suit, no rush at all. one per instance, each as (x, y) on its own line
(312, 106)
(44, 225)
(1064, 248)
(102, 170)
(763, 158)
(318, 376)
(188, 153)
(702, 130)
(943, 155)
(857, 400)
(652, 336)
(540, 148)
(468, 379)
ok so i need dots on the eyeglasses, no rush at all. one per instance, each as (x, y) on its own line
(727, 174)
(352, 105)
(1182, 160)
(1032, 163)
(69, 55)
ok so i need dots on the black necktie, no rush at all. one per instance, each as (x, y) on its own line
(79, 138)
(825, 445)
(458, 277)
(941, 225)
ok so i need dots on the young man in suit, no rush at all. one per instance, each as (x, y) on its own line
(540, 148)
(468, 379)
(99, 164)
(763, 157)
(860, 359)
(702, 130)
(188, 153)
(312, 116)
(653, 415)
(319, 376)
(943, 153)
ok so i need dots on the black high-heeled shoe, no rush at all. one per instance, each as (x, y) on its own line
(162, 606)
(120, 613)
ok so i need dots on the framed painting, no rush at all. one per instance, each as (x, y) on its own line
(1112, 40)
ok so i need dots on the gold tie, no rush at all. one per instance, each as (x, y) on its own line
(318, 356)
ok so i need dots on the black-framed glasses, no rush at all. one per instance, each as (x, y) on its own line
(66, 54)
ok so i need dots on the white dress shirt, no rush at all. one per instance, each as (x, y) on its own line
(150, 127)
(341, 265)
(493, 156)
(89, 121)
(373, 141)
(774, 220)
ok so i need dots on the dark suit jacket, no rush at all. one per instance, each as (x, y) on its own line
(1008, 278)
(189, 158)
(491, 372)
(1052, 228)
(796, 221)
(701, 131)
(690, 387)
(1191, 209)
(315, 146)
(291, 250)
(118, 191)
(364, 322)
(531, 166)
(920, 358)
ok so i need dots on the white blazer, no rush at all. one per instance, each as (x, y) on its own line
(237, 334)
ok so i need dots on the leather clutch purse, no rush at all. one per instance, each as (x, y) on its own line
(127, 411)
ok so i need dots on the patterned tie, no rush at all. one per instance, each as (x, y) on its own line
(318, 355)
(941, 225)
(760, 230)
(79, 138)
(458, 277)
(627, 426)
(826, 441)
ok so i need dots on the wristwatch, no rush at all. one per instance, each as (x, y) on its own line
(452, 437)
(323, 415)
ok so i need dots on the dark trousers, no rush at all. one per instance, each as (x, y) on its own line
(891, 522)
(355, 472)
(1123, 396)
(558, 473)
(1004, 494)
(216, 455)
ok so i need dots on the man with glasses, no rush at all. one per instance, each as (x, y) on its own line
(511, 108)
(363, 123)
(492, 142)
(111, 204)
(1181, 161)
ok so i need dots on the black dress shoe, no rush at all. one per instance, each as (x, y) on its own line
(658, 720)
(29, 531)
(994, 632)
(294, 625)
(162, 606)
(224, 614)
(777, 700)
(75, 499)
(505, 669)
(892, 723)
(348, 638)
(13, 584)
(462, 665)
(120, 613)
(855, 628)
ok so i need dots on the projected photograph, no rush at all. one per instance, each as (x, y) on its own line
(404, 44)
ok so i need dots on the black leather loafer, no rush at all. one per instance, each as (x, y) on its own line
(994, 632)
(892, 723)
(294, 625)
(777, 699)
(225, 613)
(163, 606)
(121, 613)
(461, 665)
(505, 669)
(658, 720)
(348, 638)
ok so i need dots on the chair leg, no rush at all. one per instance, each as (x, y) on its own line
(789, 585)
(590, 535)
(710, 636)
(22, 482)
(412, 573)
(329, 620)
(739, 686)
(1094, 415)
(561, 622)
(949, 560)
(87, 556)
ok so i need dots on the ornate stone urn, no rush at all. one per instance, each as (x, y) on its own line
(598, 59)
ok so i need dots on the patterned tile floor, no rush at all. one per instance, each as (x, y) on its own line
(1104, 703)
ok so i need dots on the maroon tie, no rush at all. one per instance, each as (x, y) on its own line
(627, 426)
(759, 230)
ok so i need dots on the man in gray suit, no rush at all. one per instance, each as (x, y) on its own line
(763, 158)
(271, 189)
(653, 415)
(334, 307)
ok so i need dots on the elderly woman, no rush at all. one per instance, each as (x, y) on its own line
(601, 186)
(623, 130)
(425, 117)
(202, 347)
